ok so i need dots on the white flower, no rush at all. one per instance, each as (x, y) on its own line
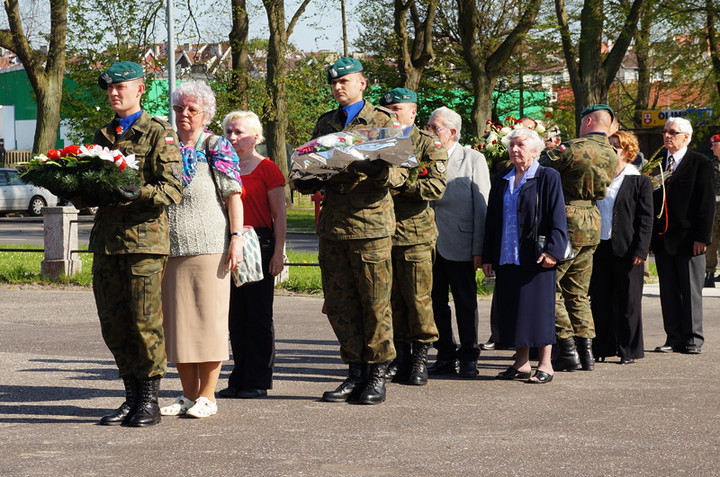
(492, 137)
(132, 163)
(540, 129)
(505, 131)
(505, 140)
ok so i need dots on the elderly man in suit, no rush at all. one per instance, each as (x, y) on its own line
(684, 213)
(460, 218)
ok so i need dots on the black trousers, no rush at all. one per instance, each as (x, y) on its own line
(616, 299)
(252, 331)
(458, 277)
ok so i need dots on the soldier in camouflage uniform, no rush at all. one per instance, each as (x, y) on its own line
(586, 165)
(711, 255)
(354, 227)
(130, 243)
(413, 251)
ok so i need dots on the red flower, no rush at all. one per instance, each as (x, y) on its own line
(119, 130)
(70, 151)
(489, 121)
(53, 154)
(495, 141)
(547, 115)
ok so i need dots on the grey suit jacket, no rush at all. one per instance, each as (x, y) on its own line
(460, 214)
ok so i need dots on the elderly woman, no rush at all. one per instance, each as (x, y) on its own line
(252, 333)
(205, 245)
(626, 216)
(526, 202)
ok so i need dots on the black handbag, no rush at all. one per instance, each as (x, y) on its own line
(541, 240)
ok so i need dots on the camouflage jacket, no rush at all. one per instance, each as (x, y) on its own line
(415, 220)
(356, 206)
(141, 226)
(586, 166)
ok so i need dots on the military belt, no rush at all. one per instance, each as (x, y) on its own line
(580, 203)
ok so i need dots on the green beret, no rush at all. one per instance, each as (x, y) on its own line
(598, 107)
(343, 66)
(119, 72)
(398, 95)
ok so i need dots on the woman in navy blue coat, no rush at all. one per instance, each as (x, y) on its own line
(523, 307)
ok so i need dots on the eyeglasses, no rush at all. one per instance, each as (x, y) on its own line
(434, 129)
(672, 133)
(191, 111)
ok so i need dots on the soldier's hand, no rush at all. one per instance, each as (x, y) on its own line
(128, 193)
(369, 168)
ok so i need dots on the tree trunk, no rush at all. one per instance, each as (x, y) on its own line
(713, 41)
(45, 74)
(642, 52)
(239, 44)
(413, 59)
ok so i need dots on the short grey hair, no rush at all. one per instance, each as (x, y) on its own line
(200, 92)
(250, 119)
(533, 139)
(450, 119)
(682, 124)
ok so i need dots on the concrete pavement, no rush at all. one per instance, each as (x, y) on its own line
(656, 417)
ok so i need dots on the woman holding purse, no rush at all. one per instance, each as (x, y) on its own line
(252, 332)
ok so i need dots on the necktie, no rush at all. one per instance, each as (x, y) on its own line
(671, 164)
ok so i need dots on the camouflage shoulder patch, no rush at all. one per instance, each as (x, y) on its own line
(162, 122)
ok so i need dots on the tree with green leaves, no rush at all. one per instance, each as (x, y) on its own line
(44, 70)
(592, 70)
(414, 53)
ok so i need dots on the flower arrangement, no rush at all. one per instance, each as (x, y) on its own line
(494, 143)
(327, 155)
(85, 174)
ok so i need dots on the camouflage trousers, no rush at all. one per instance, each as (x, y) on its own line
(412, 312)
(711, 254)
(573, 316)
(127, 292)
(356, 278)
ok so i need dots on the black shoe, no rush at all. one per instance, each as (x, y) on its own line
(666, 348)
(584, 350)
(126, 410)
(692, 349)
(566, 358)
(353, 383)
(374, 392)
(512, 373)
(443, 366)
(541, 378)
(489, 346)
(468, 369)
(709, 280)
(251, 393)
(626, 361)
(418, 364)
(148, 410)
(228, 392)
(399, 368)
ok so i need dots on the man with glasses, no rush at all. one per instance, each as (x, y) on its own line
(413, 249)
(130, 245)
(460, 219)
(684, 214)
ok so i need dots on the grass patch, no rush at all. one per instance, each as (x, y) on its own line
(24, 268)
(301, 219)
(303, 279)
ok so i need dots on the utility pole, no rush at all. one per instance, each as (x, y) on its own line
(344, 27)
(171, 59)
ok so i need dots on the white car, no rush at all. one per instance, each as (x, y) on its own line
(17, 196)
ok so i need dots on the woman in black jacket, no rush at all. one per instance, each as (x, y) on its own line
(617, 280)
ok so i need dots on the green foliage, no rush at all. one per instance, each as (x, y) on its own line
(24, 268)
(301, 219)
(303, 279)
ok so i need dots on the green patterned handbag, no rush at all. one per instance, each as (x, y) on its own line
(250, 269)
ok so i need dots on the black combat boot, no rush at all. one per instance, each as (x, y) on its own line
(148, 410)
(418, 369)
(374, 392)
(126, 410)
(566, 358)
(399, 368)
(584, 348)
(709, 280)
(352, 385)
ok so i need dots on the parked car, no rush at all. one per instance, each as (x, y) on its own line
(17, 196)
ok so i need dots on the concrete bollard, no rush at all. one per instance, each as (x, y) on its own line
(61, 236)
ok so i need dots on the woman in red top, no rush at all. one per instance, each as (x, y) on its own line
(252, 333)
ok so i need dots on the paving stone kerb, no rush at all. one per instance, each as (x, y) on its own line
(656, 417)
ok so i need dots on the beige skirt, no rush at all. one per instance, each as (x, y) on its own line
(196, 301)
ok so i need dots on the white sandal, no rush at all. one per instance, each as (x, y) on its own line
(203, 408)
(178, 408)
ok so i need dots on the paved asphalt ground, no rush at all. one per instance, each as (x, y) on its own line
(656, 417)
